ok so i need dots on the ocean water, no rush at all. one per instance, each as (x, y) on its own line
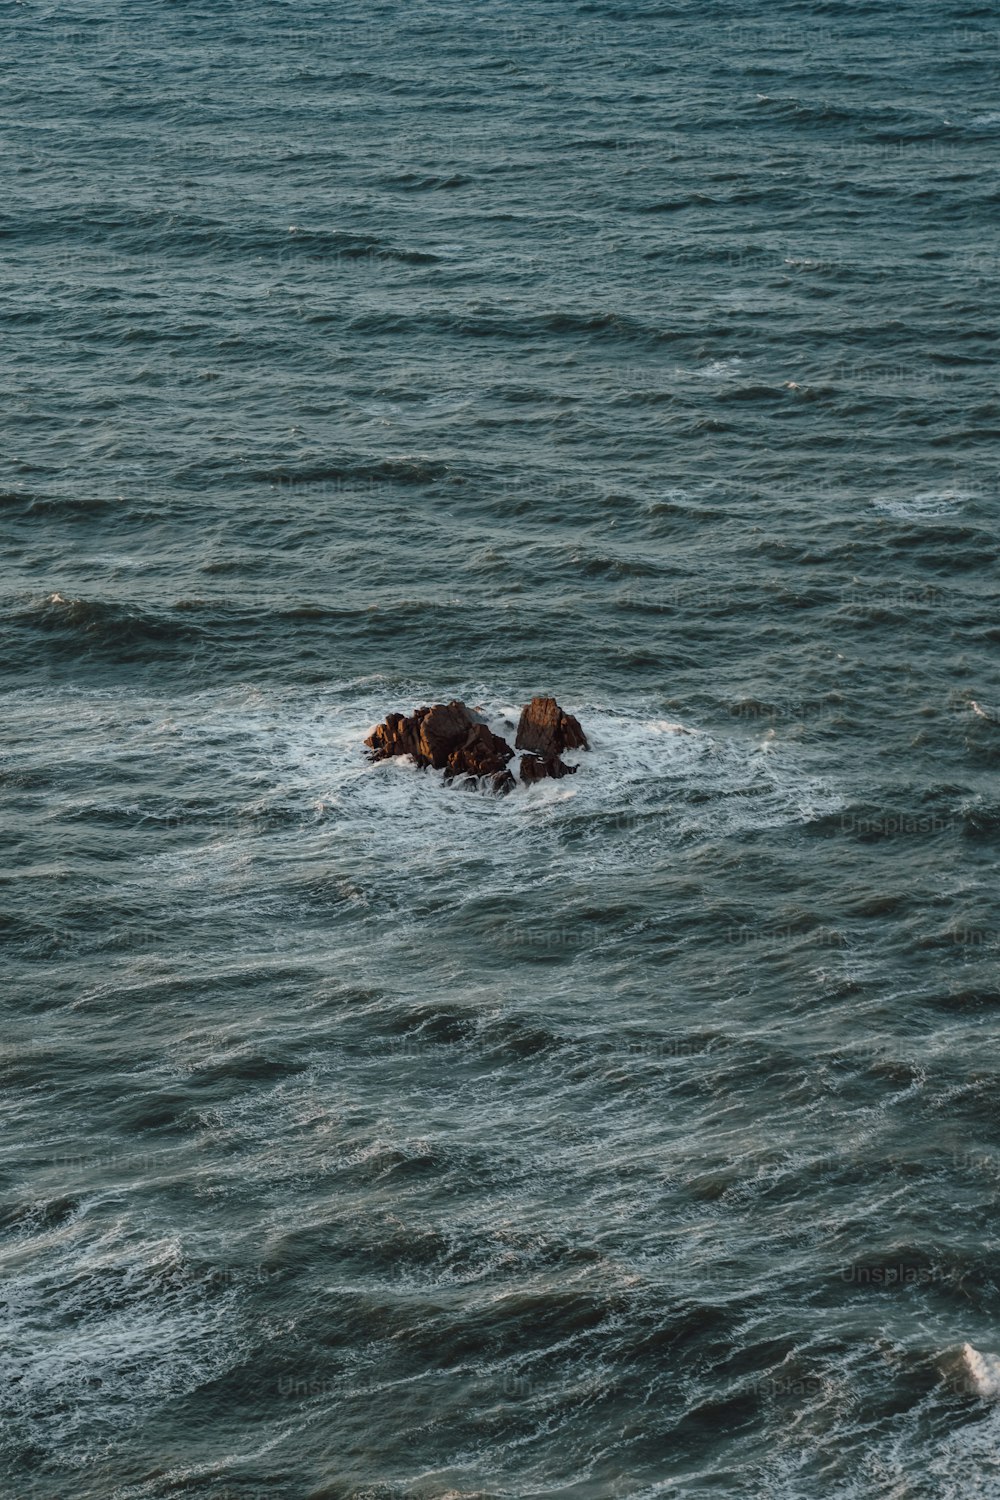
(630, 1136)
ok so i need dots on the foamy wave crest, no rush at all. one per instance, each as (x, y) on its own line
(925, 506)
(983, 1372)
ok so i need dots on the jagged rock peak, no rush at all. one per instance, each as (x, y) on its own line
(545, 729)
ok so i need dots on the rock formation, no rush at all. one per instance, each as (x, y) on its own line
(449, 738)
(546, 730)
(482, 754)
(430, 735)
(537, 768)
(453, 739)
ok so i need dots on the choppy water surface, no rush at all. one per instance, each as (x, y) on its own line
(632, 1135)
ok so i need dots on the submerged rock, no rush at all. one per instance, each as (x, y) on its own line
(538, 768)
(547, 730)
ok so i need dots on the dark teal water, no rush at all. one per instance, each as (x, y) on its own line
(634, 1135)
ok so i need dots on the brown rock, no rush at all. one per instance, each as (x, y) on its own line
(537, 768)
(481, 753)
(397, 736)
(428, 734)
(443, 729)
(449, 738)
(547, 730)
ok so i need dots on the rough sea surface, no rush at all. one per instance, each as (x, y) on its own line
(633, 1135)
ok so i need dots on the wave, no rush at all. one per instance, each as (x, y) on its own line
(485, 321)
(882, 121)
(980, 819)
(926, 505)
(313, 247)
(983, 1372)
(415, 469)
(474, 1031)
(105, 623)
(421, 182)
(77, 504)
(104, 1328)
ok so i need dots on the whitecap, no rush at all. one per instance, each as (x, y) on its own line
(983, 1371)
(927, 505)
(744, 299)
(717, 369)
